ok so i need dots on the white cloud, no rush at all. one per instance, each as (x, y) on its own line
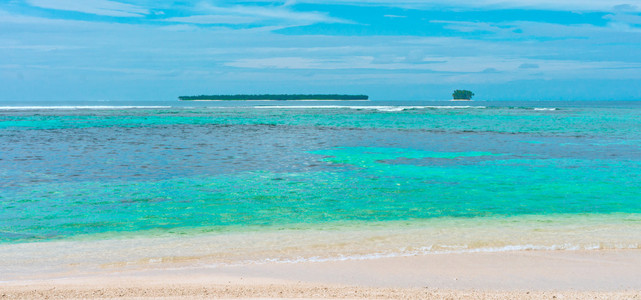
(96, 7)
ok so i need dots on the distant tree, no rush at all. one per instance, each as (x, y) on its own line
(462, 95)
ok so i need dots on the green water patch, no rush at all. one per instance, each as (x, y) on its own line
(362, 184)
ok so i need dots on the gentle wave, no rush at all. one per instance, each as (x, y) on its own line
(385, 108)
(74, 107)
(426, 251)
(546, 108)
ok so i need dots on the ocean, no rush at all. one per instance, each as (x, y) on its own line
(140, 184)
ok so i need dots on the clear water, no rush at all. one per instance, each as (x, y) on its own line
(479, 176)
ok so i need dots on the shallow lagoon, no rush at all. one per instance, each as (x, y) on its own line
(382, 179)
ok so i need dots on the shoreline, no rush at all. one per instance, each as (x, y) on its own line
(536, 274)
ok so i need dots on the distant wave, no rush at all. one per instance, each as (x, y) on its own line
(74, 107)
(384, 108)
(546, 108)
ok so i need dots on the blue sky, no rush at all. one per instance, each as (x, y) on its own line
(390, 50)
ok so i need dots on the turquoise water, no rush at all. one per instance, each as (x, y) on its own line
(176, 171)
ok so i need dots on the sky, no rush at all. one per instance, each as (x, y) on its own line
(64, 50)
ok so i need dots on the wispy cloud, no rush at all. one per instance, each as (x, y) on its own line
(213, 19)
(96, 7)
(282, 14)
(394, 16)
(515, 30)
(6, 17)
(624, 21)
(463, 26)
(528, 66)
(625, 18)
(471, 66)
(573, 5)
(44, 48)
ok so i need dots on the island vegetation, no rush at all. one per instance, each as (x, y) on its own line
(462, 95)
(282, 97)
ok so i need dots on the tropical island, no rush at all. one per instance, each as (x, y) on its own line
(275, 97)
(462, 95)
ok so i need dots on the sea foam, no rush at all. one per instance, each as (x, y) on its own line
(74, 107)
(428, 250)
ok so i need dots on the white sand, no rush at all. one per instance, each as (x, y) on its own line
(504, 275)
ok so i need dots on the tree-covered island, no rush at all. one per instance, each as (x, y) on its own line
(282, 97)
(462, 95)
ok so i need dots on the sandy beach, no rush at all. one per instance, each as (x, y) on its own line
(505, 275)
